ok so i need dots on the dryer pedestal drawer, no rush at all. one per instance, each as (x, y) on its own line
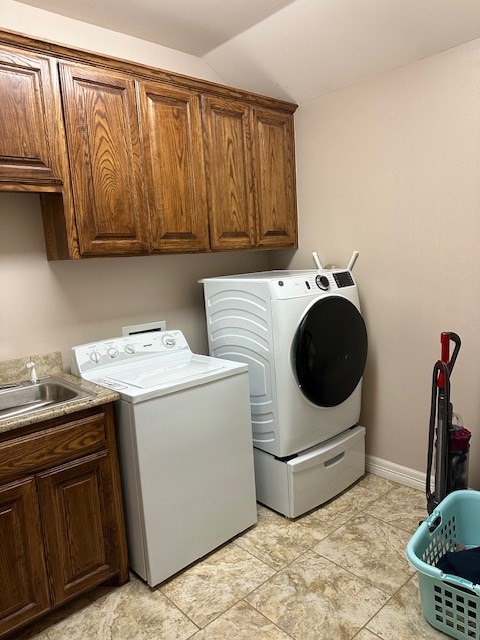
(313, 477)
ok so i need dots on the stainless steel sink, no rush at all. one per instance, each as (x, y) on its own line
(24, 397)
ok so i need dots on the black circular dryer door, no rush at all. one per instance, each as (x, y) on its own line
(330, 351)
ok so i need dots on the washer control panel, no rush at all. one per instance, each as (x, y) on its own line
(93, 355)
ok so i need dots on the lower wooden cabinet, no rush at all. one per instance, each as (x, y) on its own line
(61, 527)
(23, 584)
(73, 496)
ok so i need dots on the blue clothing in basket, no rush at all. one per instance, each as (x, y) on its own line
(465, 564)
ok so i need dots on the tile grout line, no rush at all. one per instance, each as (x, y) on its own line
(386, 603)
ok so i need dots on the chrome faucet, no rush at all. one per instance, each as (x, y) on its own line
(33, 372)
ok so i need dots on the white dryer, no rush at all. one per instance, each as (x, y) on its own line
(305, 342)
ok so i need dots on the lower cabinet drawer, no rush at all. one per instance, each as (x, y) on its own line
(49, 447)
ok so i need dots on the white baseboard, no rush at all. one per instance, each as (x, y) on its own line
(395, 472)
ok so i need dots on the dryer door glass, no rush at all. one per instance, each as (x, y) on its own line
(330, 351)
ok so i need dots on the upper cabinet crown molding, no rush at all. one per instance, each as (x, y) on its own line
(133, 160)
(65, 53)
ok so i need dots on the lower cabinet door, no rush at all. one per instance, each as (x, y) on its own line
(23, 580)
(76, 521)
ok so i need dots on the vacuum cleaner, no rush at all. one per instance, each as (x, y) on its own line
(452, 439)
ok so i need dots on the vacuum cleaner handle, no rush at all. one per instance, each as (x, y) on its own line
(445, 338)
(455, 338)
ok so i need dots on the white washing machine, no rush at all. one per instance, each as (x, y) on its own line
(185, 446)
(305, 342)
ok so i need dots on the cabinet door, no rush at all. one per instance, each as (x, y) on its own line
(174, 164)
(229, 174)
(274, 167)
(104, 153)
(77, 519)
(27, 122)
(23, 581)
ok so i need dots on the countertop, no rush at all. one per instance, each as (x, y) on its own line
(50, 365)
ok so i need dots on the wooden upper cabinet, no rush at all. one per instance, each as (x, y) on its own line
(274, 167)
(171, 130)
(250, 175)
(104, 153)
(28, 122)
(229, 174)
(132, 160)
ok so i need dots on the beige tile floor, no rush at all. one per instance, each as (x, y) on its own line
(337, 573)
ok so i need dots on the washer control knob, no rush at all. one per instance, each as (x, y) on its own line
(169, 340)
(112, 352)
(95, 356)
(129, 348)
(322, 282)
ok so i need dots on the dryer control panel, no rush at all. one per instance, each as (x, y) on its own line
(308, 283)
(343, 279)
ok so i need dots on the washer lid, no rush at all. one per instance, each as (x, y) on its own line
(160, 376)
(145, 366)
(165, 371)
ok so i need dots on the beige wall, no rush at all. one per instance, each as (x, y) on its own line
(391, 167)
(49, 306)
